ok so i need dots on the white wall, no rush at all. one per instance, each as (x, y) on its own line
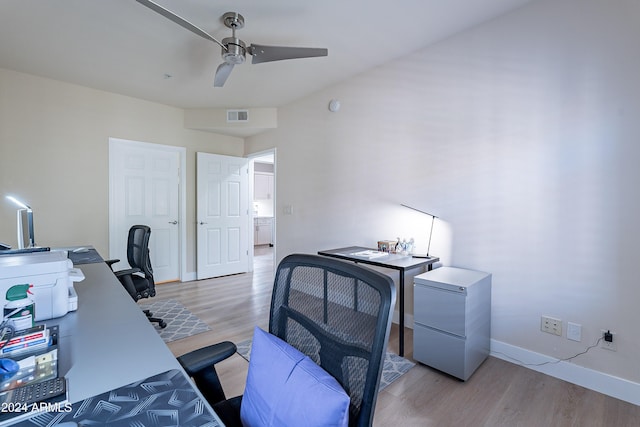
(54, 140)
(522, 135)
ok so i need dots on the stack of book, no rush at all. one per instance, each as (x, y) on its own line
(36, 352)
(27, 340)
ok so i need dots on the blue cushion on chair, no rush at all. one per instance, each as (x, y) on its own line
(286, 388)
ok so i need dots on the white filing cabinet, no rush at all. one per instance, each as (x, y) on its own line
(452, 319)
(263, 234)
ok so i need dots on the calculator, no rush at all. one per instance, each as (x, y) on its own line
(35, 392)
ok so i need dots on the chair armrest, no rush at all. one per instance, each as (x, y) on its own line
(127, 272)
(205, 357)
(110, 262)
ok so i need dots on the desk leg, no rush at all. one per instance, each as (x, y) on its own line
(401, 323)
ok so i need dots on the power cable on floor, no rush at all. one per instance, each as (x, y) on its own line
(551, 362)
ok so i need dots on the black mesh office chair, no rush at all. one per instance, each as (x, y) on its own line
(337, 313)
(138, 280)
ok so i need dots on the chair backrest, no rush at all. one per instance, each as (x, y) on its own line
(338, 314)
(138, 251)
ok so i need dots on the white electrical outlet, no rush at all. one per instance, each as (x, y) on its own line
(574, 331)
(551, 325)
(609, 345)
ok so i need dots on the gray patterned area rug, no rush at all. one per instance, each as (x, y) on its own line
(181, 323)
(394, 366)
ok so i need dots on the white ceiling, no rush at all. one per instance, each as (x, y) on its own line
(122, 46)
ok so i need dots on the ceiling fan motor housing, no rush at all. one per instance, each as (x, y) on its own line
(235, 52)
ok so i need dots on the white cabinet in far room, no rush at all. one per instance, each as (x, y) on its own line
(262, 186)
(263, 233)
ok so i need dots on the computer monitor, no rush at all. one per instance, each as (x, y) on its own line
(26, 237)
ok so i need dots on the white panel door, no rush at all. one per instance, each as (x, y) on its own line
(222, 215)
(145, 190)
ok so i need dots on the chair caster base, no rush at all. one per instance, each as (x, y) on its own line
(161, 323)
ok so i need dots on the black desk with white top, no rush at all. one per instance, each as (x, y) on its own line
(399, 262)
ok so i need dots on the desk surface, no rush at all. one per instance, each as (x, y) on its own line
(108, 342)
(108, 338)
(399, 262)
(396, 261)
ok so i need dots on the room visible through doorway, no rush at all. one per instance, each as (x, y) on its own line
(263, 207)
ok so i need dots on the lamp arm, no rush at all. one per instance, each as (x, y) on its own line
(433, 218)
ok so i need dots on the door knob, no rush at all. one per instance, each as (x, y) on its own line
(173, 222)
(202, 223)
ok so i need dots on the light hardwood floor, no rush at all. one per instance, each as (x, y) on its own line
(498, 394)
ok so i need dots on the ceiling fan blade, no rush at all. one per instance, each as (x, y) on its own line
(263, 53)
(179, 20)
(222, 73)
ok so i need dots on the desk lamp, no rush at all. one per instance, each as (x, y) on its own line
(25, 215)
(433, 218)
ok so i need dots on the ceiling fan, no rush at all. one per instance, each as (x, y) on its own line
(234, 50)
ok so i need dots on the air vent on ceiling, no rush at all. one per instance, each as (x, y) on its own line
(237, 115)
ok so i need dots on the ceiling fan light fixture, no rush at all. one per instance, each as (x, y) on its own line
(235, 52)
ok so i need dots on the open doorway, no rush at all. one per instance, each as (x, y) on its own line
(263, 168)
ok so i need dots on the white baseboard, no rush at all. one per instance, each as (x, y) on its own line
(610, 385)
(189, 277)
(594, 380)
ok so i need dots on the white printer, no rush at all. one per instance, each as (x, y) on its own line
(51, 275)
